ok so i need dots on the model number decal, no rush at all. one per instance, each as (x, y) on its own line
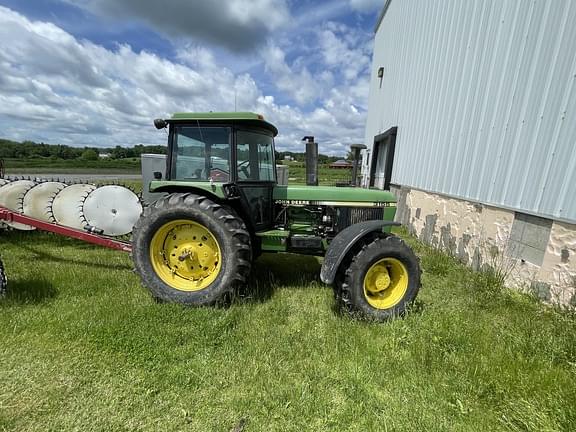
(293, 202)
(337, 203)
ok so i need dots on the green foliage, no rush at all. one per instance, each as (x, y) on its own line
(31, 150)
(84, 347)
(90, 155)
(438, 262)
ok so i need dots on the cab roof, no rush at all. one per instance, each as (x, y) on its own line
(232, 117)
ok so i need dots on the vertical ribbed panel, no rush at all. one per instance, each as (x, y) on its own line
(484, 97)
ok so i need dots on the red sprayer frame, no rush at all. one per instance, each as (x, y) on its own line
(12, 216)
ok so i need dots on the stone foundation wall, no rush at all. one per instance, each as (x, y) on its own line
(535, 254)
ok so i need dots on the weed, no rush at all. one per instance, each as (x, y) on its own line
(498, 266)
(438, 262)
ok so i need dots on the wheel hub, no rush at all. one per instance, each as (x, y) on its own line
(382, 282)
(186, 255)
(385, 283)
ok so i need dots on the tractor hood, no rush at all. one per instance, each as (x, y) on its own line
(294, 194)
(331, 195)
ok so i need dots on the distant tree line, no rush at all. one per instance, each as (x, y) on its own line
(31, 150)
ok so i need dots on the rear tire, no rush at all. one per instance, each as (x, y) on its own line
(382, 280)
(188, 249)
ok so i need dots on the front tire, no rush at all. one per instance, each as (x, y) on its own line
(188, 249)
(382, 280)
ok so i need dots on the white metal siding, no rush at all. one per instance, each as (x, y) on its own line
(484, 97)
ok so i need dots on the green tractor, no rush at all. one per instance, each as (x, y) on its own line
(222, 208)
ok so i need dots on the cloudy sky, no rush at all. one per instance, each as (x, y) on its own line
(96, 72)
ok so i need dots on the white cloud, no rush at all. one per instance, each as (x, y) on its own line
(346, 55)
(333, 55)
(318, 12)
(234, 24)
(56, 88)
(295, 81)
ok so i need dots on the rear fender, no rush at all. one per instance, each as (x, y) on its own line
(344, 242)
(214, 194)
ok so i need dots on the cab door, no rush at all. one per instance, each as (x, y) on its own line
(256, 175)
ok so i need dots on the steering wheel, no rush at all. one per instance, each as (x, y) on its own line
(243, 167)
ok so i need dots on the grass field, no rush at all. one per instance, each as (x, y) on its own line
(297, 170)
(326, 175)
(83, 347)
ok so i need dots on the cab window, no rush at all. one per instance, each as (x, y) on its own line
(255, 156)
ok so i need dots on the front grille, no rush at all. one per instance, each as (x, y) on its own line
(351, 215)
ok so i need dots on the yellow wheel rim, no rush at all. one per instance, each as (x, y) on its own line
(185, 255)
(385, 283)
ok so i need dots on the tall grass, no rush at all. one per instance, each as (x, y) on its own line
(84, 347)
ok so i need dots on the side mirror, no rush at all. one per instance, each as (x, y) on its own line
(160, 123)
(157, 175)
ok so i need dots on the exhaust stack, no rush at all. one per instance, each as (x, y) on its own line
(311, 161)
(356, 149)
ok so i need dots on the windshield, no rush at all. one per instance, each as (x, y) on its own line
(201, 154)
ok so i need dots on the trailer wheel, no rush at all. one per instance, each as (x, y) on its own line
(3, 280)
(188, 249)
(382, 279)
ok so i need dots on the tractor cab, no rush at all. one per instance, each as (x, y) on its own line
(229, 152)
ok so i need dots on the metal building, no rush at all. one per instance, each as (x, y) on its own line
(472, 121)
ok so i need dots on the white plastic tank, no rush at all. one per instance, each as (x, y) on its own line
(282, 173)
(151, 163)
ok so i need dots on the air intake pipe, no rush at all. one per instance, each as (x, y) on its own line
(311, 161)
